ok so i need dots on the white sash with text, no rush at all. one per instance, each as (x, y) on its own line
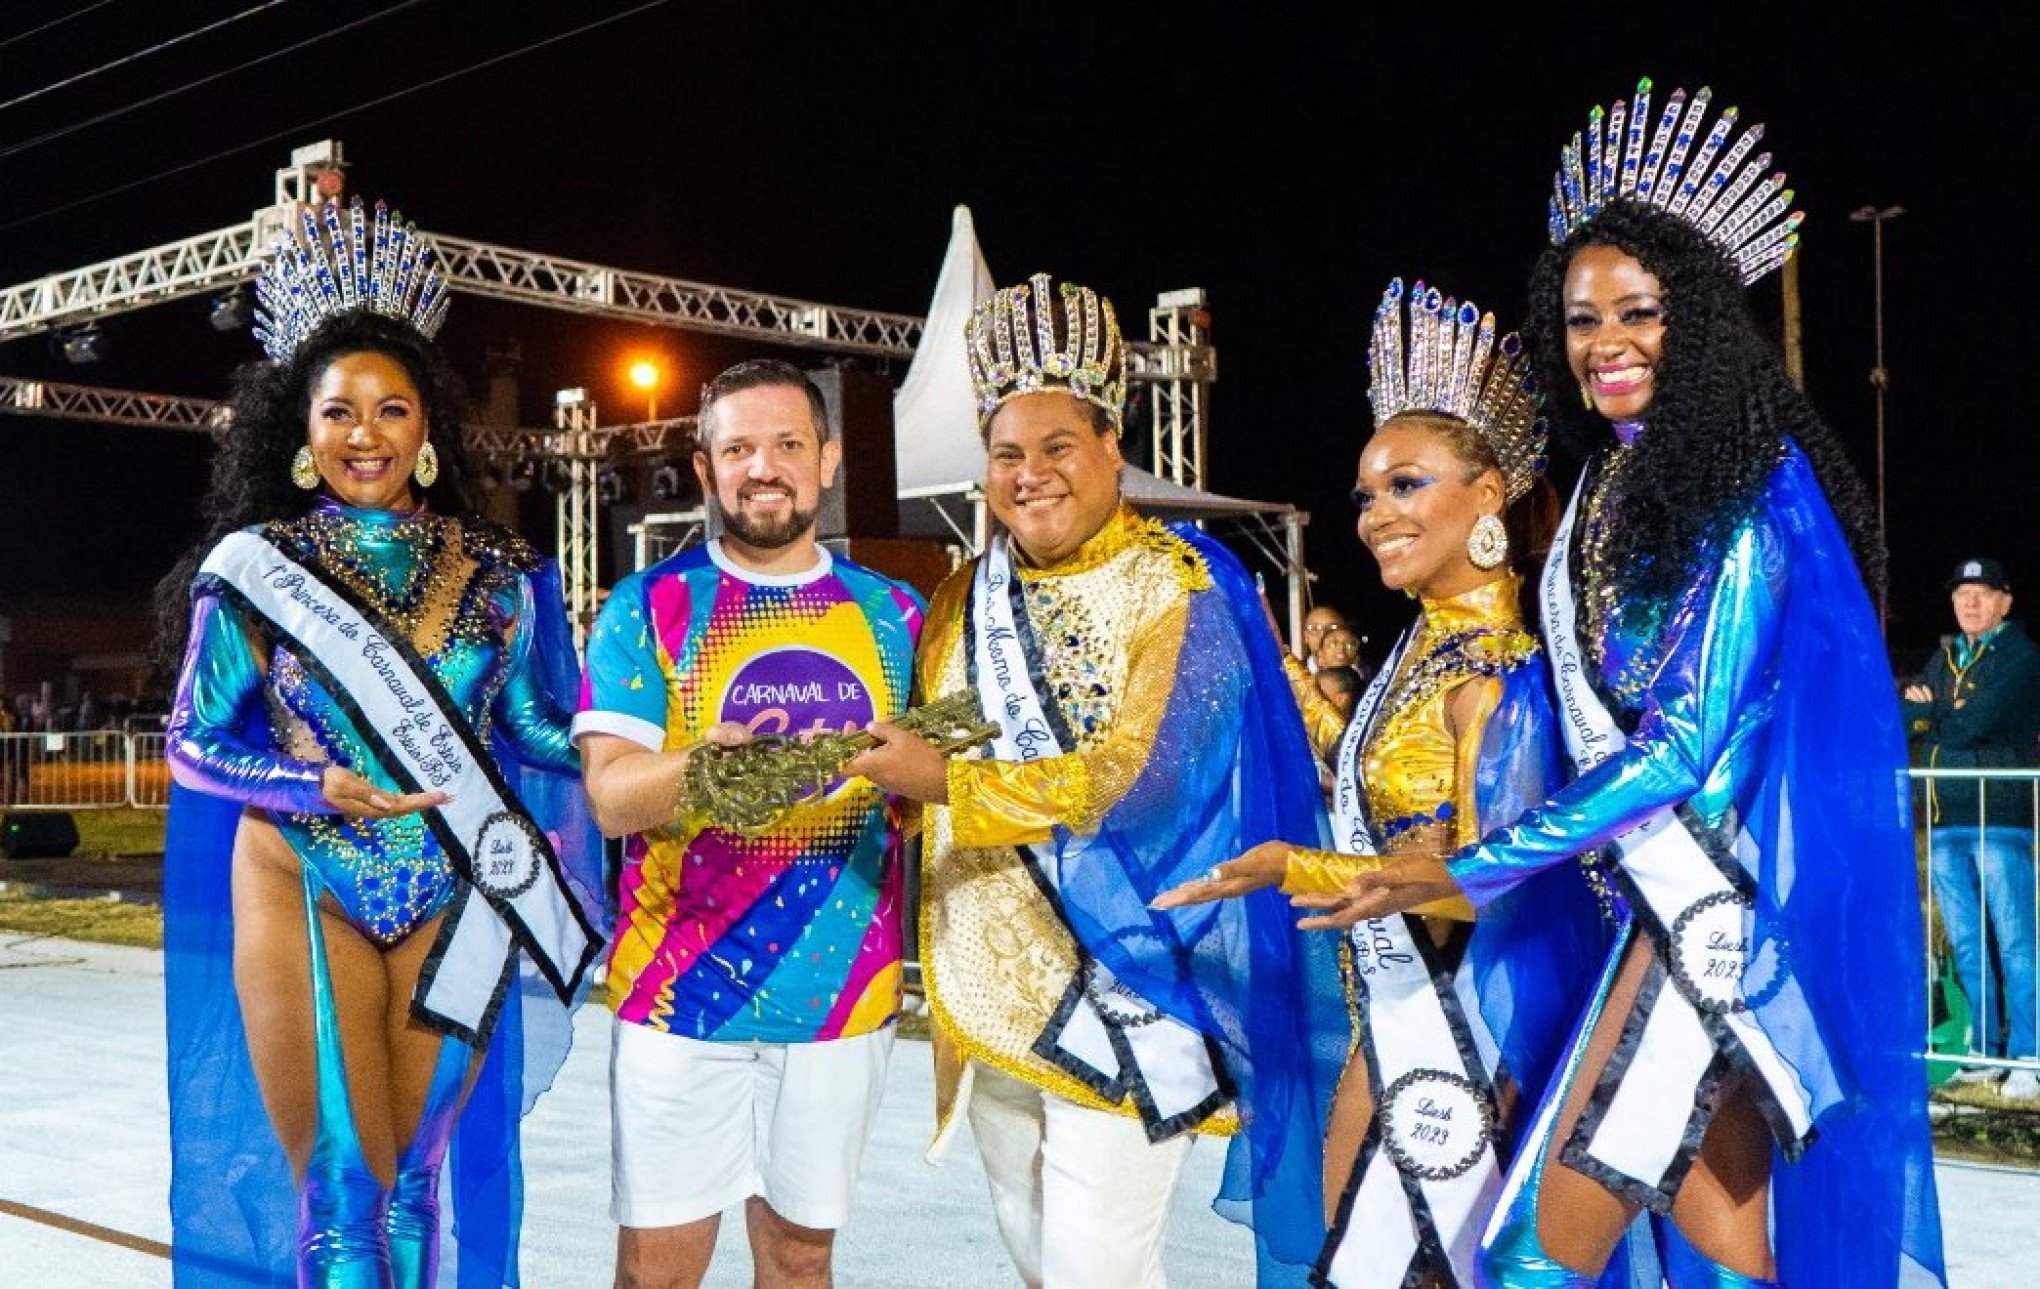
(491, 840)
(1108, 1021)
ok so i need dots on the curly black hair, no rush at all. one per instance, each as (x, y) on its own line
(268, 410)
(1721, 408)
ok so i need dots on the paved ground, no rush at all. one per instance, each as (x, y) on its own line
(83, 1139)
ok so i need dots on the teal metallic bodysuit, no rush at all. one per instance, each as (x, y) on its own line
(459, 595)
(257, 722)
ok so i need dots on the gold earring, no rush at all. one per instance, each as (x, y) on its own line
(304, 472)
(1586, 397)
(426, 471)
(1488, 544)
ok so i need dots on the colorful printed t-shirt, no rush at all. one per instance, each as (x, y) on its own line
(790, 937)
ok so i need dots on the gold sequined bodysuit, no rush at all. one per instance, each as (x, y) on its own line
(1416, 773)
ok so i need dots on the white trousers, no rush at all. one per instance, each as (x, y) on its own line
(1080, 1195)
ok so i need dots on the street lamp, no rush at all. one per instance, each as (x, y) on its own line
(645, 375)
(1880, 376)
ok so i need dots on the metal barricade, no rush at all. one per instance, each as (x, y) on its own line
(1983, 908)
(68, 771)
(148, 774)
(84, 770)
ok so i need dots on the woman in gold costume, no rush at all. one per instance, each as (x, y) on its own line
(1454, 1022)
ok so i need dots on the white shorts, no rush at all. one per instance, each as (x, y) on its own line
(698, 1127)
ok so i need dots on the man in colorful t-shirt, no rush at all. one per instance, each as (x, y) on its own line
(755, 981)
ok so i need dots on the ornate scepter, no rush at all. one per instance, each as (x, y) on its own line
(752, 787)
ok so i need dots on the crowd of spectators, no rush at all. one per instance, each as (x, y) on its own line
(37, 711)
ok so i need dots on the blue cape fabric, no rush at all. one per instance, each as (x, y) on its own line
(1839, 890)
(1536, 951)
(233, 1204)
(1230, 768)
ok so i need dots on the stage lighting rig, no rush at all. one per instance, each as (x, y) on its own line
(81, 345)
(230, 310)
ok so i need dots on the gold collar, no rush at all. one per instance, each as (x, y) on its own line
(1491, 604)
(1123, 529)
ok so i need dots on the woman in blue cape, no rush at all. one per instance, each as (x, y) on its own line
(1747, 1071)
(379, 872)
(1457, 1022)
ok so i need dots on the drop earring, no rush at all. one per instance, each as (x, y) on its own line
(304, 472)
(426, 471)
(1488, 544)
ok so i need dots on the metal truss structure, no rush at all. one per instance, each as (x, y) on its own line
(574, 514)
(109, 406)
(582, 446)
(497, 443)
(1179, 364)
(1176, 361)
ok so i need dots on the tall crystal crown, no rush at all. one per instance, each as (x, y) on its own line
(1449, 361)
(1714, 189)
(334, 263)
(1020, 343)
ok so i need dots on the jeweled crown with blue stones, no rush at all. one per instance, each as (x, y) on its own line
(1011, 341)
(336, 262)
(1449, 361)
(1733, 202)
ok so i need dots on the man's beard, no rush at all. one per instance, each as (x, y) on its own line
(767, 536)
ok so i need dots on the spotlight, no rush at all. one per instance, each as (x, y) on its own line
(522, 475)
(489, 481)
(609, 487)
(554, 476)
(80, 344)
(230, 310)
(666, 482)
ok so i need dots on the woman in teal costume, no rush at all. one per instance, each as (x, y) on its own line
(1747, 1071)
(312, 1107)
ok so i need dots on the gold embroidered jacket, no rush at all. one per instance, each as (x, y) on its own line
(995, 957)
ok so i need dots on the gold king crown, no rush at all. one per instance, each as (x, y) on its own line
(1020, 342)
(1451, 363)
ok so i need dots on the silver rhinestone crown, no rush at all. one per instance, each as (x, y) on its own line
(1013, 350)
(1450, 362)
(1733, 202)
(330, 265)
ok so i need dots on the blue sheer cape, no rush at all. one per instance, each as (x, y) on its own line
(1230, 768)
(233, 1204)
(1839, 891)
(1536, 951)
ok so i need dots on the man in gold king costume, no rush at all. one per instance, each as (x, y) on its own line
(1146, 735)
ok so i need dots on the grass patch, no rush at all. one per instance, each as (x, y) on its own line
(1984, 1136)
(120, 832)
(100, 921)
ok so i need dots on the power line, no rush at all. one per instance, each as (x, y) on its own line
(54, 22)
(140, 53)
(331, 116)
(53, 135)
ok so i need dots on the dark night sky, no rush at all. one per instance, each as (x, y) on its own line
(1289, 163)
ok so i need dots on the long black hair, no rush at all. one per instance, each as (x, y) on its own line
(270, 407)
(1722, 405)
